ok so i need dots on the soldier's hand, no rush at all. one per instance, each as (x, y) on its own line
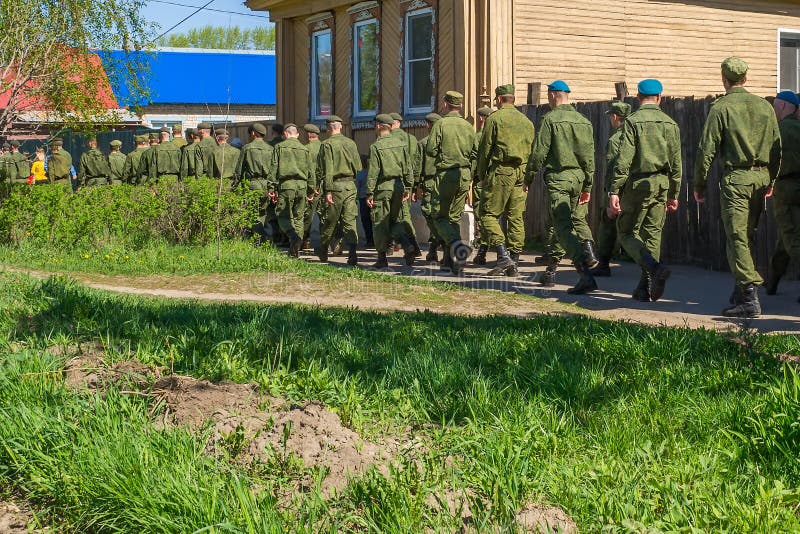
(273, 197)
(329, 198)
(613, 206)
(768, 193)
(405, 196)
(310, 198)
(413, 197)
(371, 203)
(672, 205)
(584, 199)
(611, 213)
(699, 197)
(525, 188)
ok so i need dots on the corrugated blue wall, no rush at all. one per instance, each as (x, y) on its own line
(196, 77)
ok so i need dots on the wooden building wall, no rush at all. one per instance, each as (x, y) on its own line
(593, 44)
(294, 41)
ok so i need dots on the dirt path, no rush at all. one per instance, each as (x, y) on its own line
(693, 297)
(14, 519)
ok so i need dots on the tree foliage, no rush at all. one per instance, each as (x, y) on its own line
(47, 60)
(226, 38)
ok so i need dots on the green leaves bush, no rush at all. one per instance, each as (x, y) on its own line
(179, 213)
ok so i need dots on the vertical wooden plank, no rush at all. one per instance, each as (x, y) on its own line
(343, 60)
(391, 56)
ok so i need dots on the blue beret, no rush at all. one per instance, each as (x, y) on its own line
(650, 87)
(789, 96)
(559, 85)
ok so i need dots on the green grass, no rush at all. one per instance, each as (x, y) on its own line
(165, 259)
(627, 428)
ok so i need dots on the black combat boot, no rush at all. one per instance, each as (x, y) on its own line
(480, 256)
(415, 246)
(381, 263)
(322, 252)
(544, 259)
(748, 306)
(352, 256)
(514, 269)
(447, 261)
(603, 268)
(306, 244)
(504, 261)
(459, 251)
(591, 255)
(658, 276)
(642, 291)
(295, 241)
(432, 255)
(409, 254)
(337, 247)
(736, 295)
(777, 268)
(586, 282)
(548, 278)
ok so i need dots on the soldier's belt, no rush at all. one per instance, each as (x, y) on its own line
(344, 177)
(748, 168)
(643, 175)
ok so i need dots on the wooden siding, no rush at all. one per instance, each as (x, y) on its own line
(594, 44)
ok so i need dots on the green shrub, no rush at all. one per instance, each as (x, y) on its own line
(183, 213)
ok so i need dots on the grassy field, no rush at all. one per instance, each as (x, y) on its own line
(626, 428)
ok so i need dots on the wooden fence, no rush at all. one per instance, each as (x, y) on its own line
(692, 235)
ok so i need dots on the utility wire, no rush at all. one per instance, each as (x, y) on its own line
(212, 9)
(184, 20)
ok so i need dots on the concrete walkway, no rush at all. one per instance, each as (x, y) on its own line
(693, 297)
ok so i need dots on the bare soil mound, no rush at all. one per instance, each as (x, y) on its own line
(261, 428)
(545, 519)
(13, 518)
(90, 368)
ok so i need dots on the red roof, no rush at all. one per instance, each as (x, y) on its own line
(102, 91)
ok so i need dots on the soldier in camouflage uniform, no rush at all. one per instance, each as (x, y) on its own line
(649, 169)
(17, 168)
(312, 133)
(411, 145)
(477, 190)
(207, 146)
(787, 190)
(607, 229)
(163, 161)
(291, 184)
(501, 158)
(253, 167)
(339, 163)
(565, 149)
(450, 145)
(192, 165)
(426, 188)
(116, 161)
(177, 136)
(389, 182)
(59, 165)
(223, 157)
(744, 129)
(93, 168)
(130, 171)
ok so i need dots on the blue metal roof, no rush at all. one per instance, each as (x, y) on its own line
(192, 76)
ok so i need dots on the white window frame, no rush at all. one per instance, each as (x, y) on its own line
(314, 78)
(357, 111)
(785, 32)
(406, 63)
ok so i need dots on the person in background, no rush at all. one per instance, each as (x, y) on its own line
(364, 211)
(116, 160)
(38, 174)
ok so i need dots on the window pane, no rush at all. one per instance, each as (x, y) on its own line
(420, 28)
(367, 44)
(324, 74)
(421, 85)
(788, 62)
